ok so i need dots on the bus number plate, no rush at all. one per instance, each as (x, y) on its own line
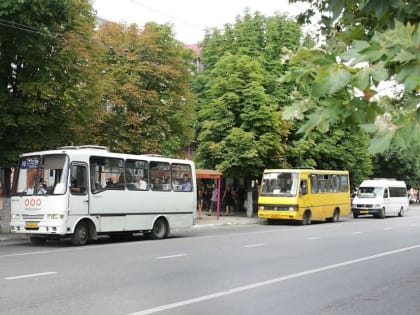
(31, 225)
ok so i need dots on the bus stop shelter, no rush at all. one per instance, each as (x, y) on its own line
(213, 175)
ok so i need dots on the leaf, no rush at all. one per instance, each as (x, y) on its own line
(330, 79)
(381, 143)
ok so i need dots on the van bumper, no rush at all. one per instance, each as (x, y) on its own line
(358, 211)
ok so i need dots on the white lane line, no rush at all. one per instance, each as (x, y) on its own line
(31, 275)
(314, 238)
(254, 245)
(388, 228)
(269, 282)
(355, 233)
(171, 256)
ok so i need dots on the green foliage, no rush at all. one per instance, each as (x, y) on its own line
(48, 75)
(149, 105)
(402, 165)
(239, 127)
(335, 149)
(368, 42)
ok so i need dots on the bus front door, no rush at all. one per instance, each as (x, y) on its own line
(79, 197)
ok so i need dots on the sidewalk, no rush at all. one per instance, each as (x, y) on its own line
(236, 219)
(204, 222)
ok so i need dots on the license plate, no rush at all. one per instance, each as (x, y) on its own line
(364, 211)
(31, 225)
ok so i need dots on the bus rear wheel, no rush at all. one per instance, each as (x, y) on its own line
(159, 230)
(80, 235)
(335, 217)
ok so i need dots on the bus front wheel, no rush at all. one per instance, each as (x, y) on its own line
(306, 219)
(80, 235)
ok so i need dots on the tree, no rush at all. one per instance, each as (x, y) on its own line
(148, 104)
(368, 43)
(49, 88)
(239, 127)
(402, 165)
(336, 149)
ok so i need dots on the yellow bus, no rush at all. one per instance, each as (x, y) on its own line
(304, 195)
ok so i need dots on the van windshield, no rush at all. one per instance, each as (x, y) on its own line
(41, 175)
(370, 192)
(281, 184)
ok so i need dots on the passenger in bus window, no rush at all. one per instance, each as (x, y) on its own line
(186, 185)
(141, 183)
(156, 185)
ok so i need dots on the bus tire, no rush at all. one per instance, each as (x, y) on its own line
(401, 213)
(80, 235)
(38, 240)
(159, 230)
(382, 213)
(336, 216)
(306, 219)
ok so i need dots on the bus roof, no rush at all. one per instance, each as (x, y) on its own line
(305, 171)
(77, 152)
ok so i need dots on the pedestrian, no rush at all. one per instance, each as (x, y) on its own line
(228, 201)
(213, 199)
(202, 199)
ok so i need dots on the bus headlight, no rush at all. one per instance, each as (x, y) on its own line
(55, 216)
(15, 216)
(261, 208)
(293, 208)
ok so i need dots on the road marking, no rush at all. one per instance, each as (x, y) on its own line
(314, 238)
(31, 275)
(387, 228)
(269, 282)
(254, 245)
(171, 256)
(354, 233)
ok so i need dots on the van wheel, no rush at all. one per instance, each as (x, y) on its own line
(401, 213)
(355, 215)
(306, 219)
(382, 213)
(159, 230)
(80, 235)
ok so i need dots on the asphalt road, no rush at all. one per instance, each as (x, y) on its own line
(356, 266)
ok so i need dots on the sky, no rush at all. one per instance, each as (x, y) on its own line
(189, 18)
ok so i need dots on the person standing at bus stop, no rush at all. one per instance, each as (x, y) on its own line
(213, 200)
(227, 200)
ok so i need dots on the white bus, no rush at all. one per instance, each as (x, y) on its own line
(85, 191)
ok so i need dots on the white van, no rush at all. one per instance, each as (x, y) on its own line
(380, 197)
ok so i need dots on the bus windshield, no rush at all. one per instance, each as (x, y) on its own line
(280, 184)
(42, 175)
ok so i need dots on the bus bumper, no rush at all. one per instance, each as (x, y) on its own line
(279, 215)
